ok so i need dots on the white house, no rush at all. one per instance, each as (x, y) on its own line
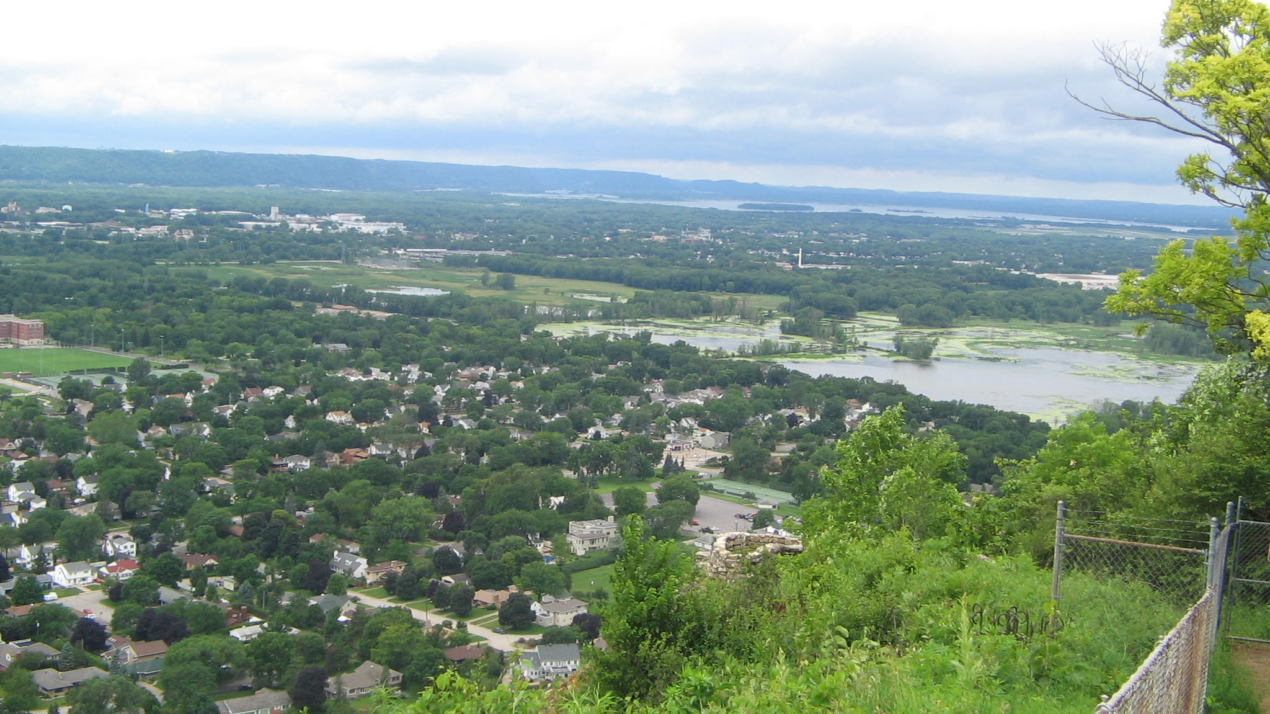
(551, 661)
(297, 462)
(29, 554)
(557, 613)
(73, 575)
(586, 536)
(351, 566)
(21, 492)
(340, 417)
(87, 485)
(119, 545)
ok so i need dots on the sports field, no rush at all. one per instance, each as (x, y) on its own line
(57, 360)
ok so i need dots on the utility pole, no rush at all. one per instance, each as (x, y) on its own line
(92, 332)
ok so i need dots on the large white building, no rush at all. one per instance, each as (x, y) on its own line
(586, 536)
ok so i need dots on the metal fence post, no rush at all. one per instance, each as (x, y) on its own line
(1210, 558)
(1058, 555)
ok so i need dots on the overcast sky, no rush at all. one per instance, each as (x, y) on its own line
(922, 95)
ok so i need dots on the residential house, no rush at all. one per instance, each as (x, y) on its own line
(29, 555)
(52, 682)
(143, 658)
(551, 661)
(362, 681)
(21, 492)
(10, 515)
(73, 575)
(350, 566)
(86, 485)
(379, 571)
(264, 701)
(329, 602)
(557, 613)
(586, 536)
(194, 428)
(491, 599)
(121, 570)
(715, 440)
(341, 418)
(348, 457)
(13, 651)
(466, 653)
(119, 545)
(196, 560)
(296, 462)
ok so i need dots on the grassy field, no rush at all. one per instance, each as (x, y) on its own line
(529, 288)
(594, 579)
(57, 360)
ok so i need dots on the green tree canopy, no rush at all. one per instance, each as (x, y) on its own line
(1215, 90)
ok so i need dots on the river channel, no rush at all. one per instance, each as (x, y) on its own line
(973, 365)
(1047, 383)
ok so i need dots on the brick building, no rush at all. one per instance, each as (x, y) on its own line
(17, 331)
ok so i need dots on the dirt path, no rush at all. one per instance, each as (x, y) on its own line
(1254, 660)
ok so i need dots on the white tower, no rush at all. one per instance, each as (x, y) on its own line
(800, 257)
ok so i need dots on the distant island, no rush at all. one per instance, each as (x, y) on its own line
(776, 207)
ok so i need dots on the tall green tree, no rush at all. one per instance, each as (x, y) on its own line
(887, 478)
(1215, 89)
(647, 625)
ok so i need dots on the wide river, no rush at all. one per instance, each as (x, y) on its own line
(1045, 382)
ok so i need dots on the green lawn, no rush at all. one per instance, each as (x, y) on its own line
(57, 360)
(608, 485)
(67, 592)
(602, 577)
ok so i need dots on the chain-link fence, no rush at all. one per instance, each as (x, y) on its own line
(1168, 555)
(1184, 562)
(1174, 677)
(1247, 612)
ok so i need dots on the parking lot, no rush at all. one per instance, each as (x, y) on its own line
(718, 513)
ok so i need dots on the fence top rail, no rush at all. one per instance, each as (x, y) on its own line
(1173, 548)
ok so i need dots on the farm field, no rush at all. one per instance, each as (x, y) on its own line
(57, 360)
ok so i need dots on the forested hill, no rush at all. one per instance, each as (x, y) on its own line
(215, 169)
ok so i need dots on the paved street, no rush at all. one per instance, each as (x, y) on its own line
(90, 601)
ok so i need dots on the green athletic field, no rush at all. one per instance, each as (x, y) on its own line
(57, 360)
